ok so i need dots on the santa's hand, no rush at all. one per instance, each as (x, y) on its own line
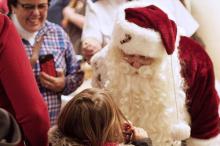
(90, 47)
(180, 131)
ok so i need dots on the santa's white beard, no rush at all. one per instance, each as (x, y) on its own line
(147, 96)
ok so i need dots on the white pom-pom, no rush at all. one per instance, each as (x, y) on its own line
(180, 131)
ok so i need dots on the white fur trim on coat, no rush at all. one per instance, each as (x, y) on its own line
(215, 141)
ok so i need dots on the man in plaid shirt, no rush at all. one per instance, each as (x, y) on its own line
(41, 37)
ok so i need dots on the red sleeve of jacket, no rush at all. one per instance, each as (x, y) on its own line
(203, 100)
(20, 86)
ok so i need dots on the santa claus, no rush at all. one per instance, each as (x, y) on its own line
(161, 80)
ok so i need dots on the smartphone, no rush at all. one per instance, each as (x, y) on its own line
(47, 64)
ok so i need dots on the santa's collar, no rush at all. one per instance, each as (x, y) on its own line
(29, 36)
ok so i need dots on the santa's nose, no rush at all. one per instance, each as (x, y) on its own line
(136, 64)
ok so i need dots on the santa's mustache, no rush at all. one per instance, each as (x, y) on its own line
(143, 71)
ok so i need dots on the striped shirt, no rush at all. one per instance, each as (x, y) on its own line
(57, 42)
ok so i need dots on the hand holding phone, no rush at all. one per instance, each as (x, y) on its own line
(47, 64)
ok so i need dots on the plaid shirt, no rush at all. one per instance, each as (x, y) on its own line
(57, 42)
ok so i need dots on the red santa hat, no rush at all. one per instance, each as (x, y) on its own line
(145, 30)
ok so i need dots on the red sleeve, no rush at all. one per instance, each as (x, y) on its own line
(203, 100)
(20, 86)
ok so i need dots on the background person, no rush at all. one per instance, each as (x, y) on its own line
(55, 11)
(19, 93)
(99, 18)
(41, 37)
(73, 22)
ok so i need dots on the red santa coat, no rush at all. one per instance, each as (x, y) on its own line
(202, 98)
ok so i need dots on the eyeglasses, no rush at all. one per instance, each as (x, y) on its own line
(31, 7)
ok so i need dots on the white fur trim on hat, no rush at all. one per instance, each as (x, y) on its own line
(133, 39)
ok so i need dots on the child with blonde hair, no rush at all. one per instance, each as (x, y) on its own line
(92, 118)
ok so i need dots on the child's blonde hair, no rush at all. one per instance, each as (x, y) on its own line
(92, 118)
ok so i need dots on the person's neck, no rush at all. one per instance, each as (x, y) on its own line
(29, 36)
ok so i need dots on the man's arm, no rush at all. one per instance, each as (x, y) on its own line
(74, 75)
(20, 86)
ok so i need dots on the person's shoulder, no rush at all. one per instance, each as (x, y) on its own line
(101, 4)
(190, 45)
(191, 50)
(4, 23)
(6, 28)
(53, 27)
(57, 138)
(97, 6)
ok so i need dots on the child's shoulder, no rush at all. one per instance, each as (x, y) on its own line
(56, 138)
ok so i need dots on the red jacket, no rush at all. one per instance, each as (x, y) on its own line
(3, 6)
(19, 93)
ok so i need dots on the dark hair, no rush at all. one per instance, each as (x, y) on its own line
(92, 118)
(10, 4)
(14, 4)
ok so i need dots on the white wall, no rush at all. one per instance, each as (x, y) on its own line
(207, 13)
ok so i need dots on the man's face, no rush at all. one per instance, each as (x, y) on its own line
(31, 14)
(137, 61)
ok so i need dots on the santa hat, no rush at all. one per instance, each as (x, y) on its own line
(145, 30)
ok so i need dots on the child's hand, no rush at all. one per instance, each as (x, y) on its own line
(128, 132)
(89, 48)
